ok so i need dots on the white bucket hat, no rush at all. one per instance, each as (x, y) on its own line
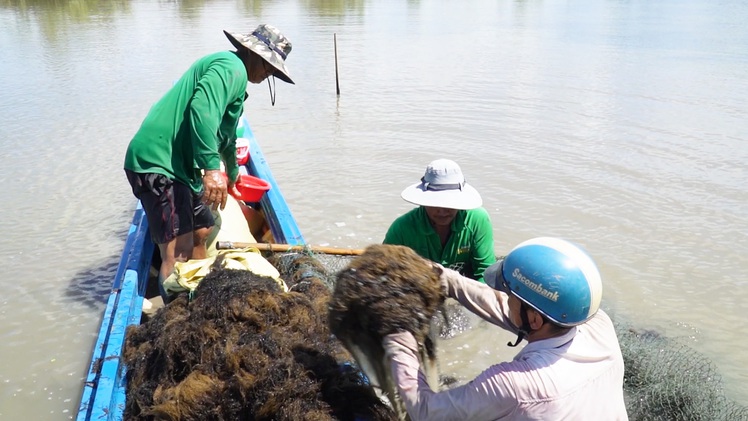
(268, 42)
(443, 186)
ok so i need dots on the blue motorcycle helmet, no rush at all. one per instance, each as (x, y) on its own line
(553, 276)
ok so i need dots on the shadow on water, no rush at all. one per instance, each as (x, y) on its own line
(91, 286)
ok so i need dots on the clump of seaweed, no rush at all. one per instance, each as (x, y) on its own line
(386, 290)
(245, 350)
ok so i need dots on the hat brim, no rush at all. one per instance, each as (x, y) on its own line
(255, 45)
(464, 199)
(492, 277)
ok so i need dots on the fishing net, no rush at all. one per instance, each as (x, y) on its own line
(665, 379)
(451, 319)
(306, 264)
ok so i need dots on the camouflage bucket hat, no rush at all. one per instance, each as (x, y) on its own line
(268, 43)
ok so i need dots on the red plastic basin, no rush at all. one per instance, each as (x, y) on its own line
(251, 188)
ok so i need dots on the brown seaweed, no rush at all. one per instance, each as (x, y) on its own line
(386, 290)
(244, 350)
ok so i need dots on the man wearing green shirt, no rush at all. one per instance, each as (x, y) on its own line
(449, 227)
(173, 161)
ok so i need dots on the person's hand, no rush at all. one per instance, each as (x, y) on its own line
(443, 275)
(215, 189)
(233, 190)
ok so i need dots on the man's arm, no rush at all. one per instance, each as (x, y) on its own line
(206, 112)
(483, 254)
(485, 398)
(212, 95)
(227, 131)
(395, 234)
(479, 298)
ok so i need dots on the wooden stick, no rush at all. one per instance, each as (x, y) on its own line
(223, 245)
(335, 42)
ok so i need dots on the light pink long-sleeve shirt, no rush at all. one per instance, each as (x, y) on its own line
(576, 376)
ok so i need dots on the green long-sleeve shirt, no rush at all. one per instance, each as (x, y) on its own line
(193, 126)
(469, 249)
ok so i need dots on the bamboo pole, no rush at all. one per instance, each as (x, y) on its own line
(335, 42)
(280, 248)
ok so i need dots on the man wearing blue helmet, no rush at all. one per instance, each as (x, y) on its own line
(547, 291)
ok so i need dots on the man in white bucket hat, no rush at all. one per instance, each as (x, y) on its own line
(449, 226)
(173, 161)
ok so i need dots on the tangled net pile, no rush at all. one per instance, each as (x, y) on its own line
(244, 350)
(307, 264)
(452, 319)
(667, 380)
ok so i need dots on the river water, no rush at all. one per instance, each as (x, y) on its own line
(622, 126)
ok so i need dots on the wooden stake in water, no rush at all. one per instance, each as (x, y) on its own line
(335, 42)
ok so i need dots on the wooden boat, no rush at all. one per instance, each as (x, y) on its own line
(104, 390)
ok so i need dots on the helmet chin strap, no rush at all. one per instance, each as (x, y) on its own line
(525, 329)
